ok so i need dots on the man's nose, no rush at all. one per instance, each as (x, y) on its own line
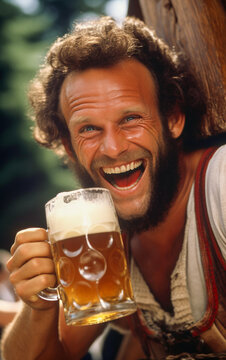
(113, 144)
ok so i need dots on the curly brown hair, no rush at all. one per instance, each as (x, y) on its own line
(102, 43)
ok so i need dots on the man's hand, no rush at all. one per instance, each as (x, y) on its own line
(31, 267)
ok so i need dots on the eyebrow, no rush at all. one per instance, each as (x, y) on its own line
(131, 110)
(80, 119)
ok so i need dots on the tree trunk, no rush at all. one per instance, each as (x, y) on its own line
(198, 28)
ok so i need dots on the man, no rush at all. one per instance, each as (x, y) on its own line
(129, 115)
(8, 302)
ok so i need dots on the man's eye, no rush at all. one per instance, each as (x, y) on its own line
(130, 118)
(87, 128)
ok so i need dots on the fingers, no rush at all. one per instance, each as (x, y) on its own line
(27, 289)
(31, 266)
(29, 235)
(26, 251)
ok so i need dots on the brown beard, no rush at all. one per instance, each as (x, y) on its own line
(81, 175)
(165, 182)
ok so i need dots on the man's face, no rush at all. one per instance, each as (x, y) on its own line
(116, 131)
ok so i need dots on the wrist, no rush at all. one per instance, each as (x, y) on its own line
(44, 312)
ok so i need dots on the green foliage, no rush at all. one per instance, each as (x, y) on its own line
(30, 175)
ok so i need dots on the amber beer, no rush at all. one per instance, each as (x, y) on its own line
(88, 252)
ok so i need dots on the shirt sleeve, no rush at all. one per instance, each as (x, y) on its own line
(215, 189)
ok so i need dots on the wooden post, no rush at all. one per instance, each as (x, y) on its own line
(198, 28)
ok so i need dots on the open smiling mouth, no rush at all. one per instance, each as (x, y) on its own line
(126, 176)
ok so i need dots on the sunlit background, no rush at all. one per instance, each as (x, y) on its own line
(83, 9)
(30, 175)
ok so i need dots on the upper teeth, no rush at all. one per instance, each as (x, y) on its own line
(123, 168)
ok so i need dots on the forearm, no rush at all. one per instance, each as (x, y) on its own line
(33, 334)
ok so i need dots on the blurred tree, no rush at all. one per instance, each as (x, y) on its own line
(65, 12)
(29, 175)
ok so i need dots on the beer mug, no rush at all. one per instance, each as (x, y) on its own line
(93, 278)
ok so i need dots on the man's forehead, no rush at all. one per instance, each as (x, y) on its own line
(129, 75)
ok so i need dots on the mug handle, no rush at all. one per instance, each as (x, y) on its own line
(49, 294)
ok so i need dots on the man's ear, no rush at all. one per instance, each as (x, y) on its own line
(68, 148)
(176, 124)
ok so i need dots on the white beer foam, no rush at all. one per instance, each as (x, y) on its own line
(80, 216)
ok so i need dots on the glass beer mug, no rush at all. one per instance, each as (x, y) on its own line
(93, 278)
